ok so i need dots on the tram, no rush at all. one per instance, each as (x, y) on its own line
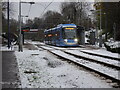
(62, 35)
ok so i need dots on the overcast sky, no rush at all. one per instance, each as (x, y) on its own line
(37, 9)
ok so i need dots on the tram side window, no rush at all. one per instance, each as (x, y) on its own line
(57, 35)
(63, 33)
(54, 36)
(50, 37)
(47, 37)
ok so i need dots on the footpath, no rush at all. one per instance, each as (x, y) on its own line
(10, 72)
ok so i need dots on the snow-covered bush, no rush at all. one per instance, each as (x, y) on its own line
(113, 46)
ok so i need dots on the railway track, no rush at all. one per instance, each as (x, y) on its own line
(110, 62)
(101, 55)
(106, 69)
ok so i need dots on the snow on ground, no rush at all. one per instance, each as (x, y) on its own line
(98, 67)
(40, 69)
(113, 44)
(34, 42)
(103, 52)
(97, 58)
(5, 48)
(67, 48)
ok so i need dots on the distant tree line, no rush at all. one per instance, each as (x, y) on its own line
(13, 23)
(71, 12)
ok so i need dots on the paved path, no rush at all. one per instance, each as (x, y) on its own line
(10, 77)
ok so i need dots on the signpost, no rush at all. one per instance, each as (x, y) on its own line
(28, 30)
(33, 30)
(20, 31)
(25, 29)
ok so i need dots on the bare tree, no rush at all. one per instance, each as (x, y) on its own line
(75, 12)
(52, 18)
(4, 8)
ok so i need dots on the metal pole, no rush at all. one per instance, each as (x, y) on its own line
(114, 27)
(88, 23)
(20, 34)
(106, 27)
(8, 25)
(100, 36)
(22, 31)
(100, 17)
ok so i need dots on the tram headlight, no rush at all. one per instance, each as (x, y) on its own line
(76, 40)
(65, 40)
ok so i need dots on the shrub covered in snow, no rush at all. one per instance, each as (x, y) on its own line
(113, 46)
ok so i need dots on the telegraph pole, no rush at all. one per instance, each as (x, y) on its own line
(20, 33)
(8, 24)
(100, 18)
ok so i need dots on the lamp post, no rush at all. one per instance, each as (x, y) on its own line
(20, 32)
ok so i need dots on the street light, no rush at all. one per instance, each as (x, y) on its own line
(23, 16)
(28, 2)
(20, 32)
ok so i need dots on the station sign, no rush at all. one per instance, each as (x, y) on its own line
(33, 30)
(25, 29)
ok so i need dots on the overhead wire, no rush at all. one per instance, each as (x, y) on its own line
(46, 7)
(40, 4)
(29, 9)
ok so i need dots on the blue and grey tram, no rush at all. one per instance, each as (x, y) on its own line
(62, 35)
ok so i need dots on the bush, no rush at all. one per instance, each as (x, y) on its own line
(112, 46)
